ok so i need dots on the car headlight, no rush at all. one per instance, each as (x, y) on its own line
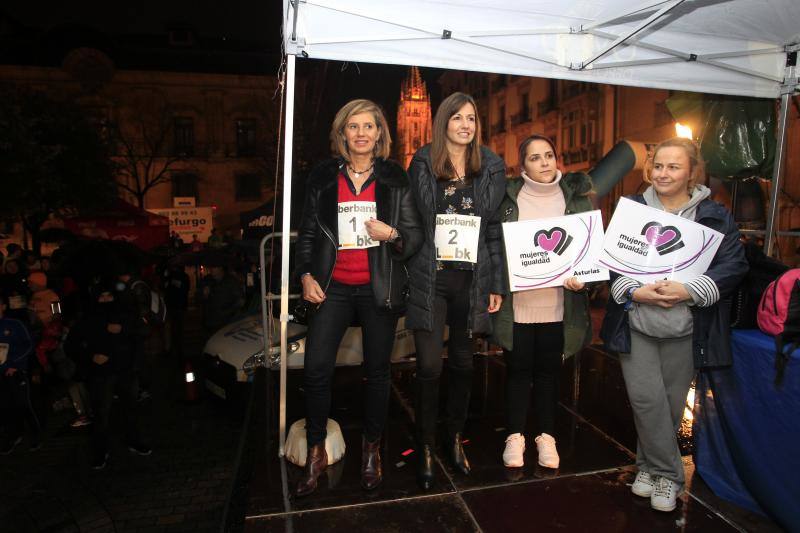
(257, 359)
(275, 353)
(254, 361)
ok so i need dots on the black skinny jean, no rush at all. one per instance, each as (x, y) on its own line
(451, 307)
(328, 324)
(101, 393)
(537, 355)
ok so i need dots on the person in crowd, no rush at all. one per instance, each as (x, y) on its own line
(16, 408)
(453, 175)
(32, 262)
(133, 296)
(222, 298)
(215, 240)
(14, 284)
(664, 330)
(175, 241)
(106, 339)
(369, 284)
(13, 252)
(195, 245)
(538, 328)
(42, 298)
(175, 285)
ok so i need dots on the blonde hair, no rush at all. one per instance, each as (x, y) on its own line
(355, 107)
(440, 158)
(697, 166)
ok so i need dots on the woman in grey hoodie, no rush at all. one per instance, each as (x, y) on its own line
(663, 330)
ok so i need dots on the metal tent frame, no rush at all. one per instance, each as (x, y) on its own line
(655, 12)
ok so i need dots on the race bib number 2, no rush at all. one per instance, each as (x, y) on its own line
(456, 238)
(352, 229)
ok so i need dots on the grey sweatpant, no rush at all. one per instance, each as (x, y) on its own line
(658, 374)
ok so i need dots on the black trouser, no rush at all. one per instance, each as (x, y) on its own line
(16, 407)
(101, 392)
(328, 324)
(537, 354)
(450, 306)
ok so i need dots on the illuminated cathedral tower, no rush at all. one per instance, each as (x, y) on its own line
(413, 117)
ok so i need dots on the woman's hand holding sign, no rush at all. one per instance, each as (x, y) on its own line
(574, 284)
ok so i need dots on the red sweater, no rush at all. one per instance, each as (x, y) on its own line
(352, 266)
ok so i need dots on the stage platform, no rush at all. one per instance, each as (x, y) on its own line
(589, 492)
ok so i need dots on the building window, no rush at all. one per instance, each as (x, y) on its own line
(245, 137)
(248, 187)
(184, 136)
(184, 184)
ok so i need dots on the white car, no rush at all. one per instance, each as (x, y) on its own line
(231, 355)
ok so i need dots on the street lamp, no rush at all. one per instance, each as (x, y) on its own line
(683, 131)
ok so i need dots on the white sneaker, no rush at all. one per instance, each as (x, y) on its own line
(665, 494)
(515, 448)
(643, 484)
(548, 455)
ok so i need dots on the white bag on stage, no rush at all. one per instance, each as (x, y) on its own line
(296, 449)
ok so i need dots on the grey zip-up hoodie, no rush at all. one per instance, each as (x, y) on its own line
(676, 321)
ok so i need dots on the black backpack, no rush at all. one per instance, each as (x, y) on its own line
(763, 271)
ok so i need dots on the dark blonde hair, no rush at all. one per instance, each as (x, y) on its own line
(697, 166)
(354, 107)
(440, 158)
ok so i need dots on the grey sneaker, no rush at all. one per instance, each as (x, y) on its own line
(643, 484)
(665, 494)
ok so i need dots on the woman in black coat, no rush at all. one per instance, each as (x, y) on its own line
(456, 277)
(359, 225)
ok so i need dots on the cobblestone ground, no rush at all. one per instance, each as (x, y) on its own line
(182, 486)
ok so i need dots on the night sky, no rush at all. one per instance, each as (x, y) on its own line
(245, 25)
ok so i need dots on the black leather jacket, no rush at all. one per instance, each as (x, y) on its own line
(317, 239)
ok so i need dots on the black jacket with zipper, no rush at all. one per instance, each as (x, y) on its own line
(318, 239)
(490, 188)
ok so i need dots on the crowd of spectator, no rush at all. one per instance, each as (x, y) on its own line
(91, 342)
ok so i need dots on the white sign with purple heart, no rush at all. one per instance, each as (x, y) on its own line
(648, 244)
(544, 252)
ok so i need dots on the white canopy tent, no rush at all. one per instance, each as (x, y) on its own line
(735, 47)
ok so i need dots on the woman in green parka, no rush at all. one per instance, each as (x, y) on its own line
(539, 328)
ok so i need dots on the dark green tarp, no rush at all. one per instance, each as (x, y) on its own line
(737, 134)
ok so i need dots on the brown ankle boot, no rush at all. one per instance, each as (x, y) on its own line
(371, 470)
(316, 463)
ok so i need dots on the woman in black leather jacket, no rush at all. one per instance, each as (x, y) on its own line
(457, 276)
(359, 225)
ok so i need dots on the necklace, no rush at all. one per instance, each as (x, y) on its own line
(356, 173)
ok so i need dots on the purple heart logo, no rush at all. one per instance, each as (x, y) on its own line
(666, 239)
(554, 240)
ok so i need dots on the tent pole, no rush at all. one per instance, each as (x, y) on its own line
(789, 87)
(287, 211)
(621, 39)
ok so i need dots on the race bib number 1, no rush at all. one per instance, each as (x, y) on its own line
(456, 238)
(352, 230)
